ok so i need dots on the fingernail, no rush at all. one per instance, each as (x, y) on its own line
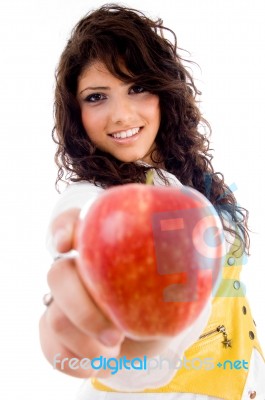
(110, 337)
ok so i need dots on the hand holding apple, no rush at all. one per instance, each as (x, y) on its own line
(150, 257)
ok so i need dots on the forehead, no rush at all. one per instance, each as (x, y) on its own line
(97, 72)
(96, 68)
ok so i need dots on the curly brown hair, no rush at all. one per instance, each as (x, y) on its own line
(113, 33)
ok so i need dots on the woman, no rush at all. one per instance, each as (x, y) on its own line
(125, 104)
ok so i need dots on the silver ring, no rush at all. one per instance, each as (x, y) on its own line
(47, 299)
(57, 257)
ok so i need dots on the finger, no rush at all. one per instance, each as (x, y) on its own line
(150, 348)
(63, 230)
(76, 303)
(58, 355)
(73, 339)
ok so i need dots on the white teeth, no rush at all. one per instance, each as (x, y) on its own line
(125, 134)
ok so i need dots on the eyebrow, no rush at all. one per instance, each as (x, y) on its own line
(95, 88)
(101, 87)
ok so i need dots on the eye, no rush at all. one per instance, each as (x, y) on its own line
(95, 97)
(137, 89)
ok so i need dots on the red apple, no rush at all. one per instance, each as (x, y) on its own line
(150, 257)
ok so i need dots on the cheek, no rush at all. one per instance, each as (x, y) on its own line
(87, 119)
(92, 121)
(152, 109)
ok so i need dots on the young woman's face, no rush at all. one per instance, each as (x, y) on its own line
(121, 119)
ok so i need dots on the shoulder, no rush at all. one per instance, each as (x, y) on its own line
(161, 175)
(76, 188)
(76, 195)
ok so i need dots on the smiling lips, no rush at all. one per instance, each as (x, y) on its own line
(125, 134)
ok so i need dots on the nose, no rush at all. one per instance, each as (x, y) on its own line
(122, 110)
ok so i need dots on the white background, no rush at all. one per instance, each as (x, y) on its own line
(226, 38)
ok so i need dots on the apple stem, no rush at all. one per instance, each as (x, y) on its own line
(149, 177)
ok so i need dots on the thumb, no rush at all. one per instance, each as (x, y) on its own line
(62, 231)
